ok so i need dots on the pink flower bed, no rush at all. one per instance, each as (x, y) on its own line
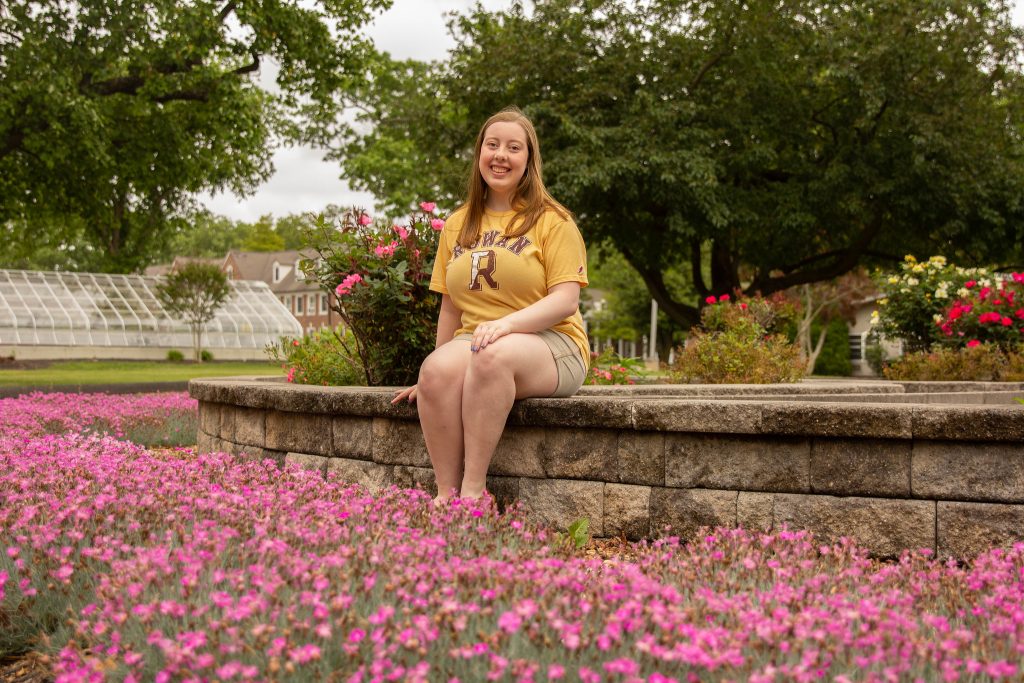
(171, 566)
(168, 418)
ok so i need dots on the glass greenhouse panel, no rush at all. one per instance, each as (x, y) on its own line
(87, 309)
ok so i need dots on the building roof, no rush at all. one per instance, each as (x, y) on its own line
(259, 265)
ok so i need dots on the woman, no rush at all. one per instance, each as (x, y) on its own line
(510, 264)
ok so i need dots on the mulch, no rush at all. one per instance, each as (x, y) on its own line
(31, 668)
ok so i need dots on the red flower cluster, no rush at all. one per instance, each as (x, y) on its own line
(990, 312)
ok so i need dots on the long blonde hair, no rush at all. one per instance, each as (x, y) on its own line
(530, 200)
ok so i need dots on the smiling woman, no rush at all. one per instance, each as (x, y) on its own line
(509, 268)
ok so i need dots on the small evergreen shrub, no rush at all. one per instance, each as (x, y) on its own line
(175, 356)
(738, 343)
(206, 356)
(326, 357)
(834, 359)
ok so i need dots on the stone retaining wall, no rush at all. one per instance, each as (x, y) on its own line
(646, 463)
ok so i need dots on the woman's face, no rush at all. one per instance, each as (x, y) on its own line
(503, 157)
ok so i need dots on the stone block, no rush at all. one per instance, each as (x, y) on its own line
(226, 430)
(298, 432)
(861, 467)
(577, 411)
(206, 443)
(250, 426)
(963, 423)
(968, 529)
(682, 512)
(209, 418)
(581, 454)
(885, 527)
(737, 463)
(965, 470)
(504, 489)
(627, 511)
(362, 472)
(257, 454)
(754, 511)
(838, 419)
(697, 415)
(353, 437)
(641, 458)
(520, 453)
(307, 461)
(559, 502)
(398, 442)
(406, 477)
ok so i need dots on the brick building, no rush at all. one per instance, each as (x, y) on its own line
(280, 269)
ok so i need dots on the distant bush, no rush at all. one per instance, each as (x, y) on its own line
(739, 343)
(326, 357)
(834, 359)
(981, 363)
(609, 368)
(206, 356)
(175, 356)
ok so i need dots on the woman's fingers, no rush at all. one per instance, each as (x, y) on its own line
(408, 394)
(488, 332)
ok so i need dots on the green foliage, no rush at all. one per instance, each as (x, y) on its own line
(982, 363)
(206, 356)
(834, 359)
(325, 357)
(193, 294)
(767, 145)
(175, 356)
(738, 344)
(115, 114)
(379, 275)
(578, 533)
(609, 368)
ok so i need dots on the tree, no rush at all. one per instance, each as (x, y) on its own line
(773, 144)
(114, 114)
(820, 304)
(193, 294)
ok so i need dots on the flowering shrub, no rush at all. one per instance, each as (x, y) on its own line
(738, 344)
(978, 362)
(918, 295)
(157, 419)
(324, 357)
(379, 275)
(608, 368)
(986, 310)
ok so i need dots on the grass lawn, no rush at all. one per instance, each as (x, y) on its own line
(123, 372)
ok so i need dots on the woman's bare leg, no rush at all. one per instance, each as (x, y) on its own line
(512, 367)
(439, 401)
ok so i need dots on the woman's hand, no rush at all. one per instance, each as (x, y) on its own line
(489, 332)
(407, 394)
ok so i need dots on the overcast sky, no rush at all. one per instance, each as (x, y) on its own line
(303, 181)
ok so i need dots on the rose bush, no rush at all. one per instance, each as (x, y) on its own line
(323, 357)
(987, 310)
(740, 343)
(608, 367)
(378, 276)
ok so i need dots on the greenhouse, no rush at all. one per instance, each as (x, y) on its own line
(88, 315)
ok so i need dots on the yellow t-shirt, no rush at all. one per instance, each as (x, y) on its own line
(500, 275)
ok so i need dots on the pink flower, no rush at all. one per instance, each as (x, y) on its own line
(1006, 322)
(969, 284)
(356, 635)
(347, 284)
(428, 206)
(710, 300)
(1018, 277)
(364, 219)
(974, 342)
(403, 234)
(743, 307)
(383, 250)
(724, 297)
(306, 653)
(1019, 313)
(437, 223)
(555, 671)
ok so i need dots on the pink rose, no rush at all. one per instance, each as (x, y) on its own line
(743, 307)
(969, 284)
(364, 219)
(1018, 277)
(1006, 322)
(710, 300)
(724, 297)
(402, 232)
(974, 342)
(437, 224)
(428, 206)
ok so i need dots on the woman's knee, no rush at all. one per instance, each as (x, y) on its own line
(438, 372)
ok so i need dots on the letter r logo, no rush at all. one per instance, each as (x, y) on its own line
(482, 266)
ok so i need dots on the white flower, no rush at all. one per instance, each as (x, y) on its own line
(937, 317)
(963, 292)
(912, 281)
(941, 294)
(985, 282)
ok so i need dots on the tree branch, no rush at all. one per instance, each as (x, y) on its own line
(685, 316)
(226, 12)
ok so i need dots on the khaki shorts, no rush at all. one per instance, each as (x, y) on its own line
(571, 371)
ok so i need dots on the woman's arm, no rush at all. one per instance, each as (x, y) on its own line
(448, 320)
(562, 301)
